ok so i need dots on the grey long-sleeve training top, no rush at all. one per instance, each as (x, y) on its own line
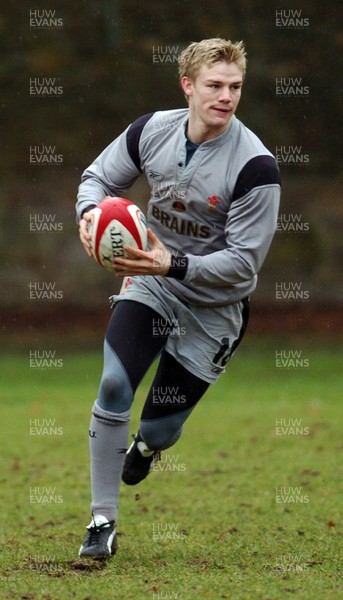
(217, 214)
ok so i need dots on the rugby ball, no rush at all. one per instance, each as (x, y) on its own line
(116, 223)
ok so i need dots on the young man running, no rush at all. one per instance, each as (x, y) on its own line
(212, 215)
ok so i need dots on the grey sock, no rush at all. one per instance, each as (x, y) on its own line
(108, 442)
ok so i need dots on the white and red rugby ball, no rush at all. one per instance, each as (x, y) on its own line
(116, 223)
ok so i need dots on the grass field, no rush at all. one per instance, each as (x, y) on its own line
(246, 506)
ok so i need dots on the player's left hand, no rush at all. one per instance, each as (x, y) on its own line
(156, 261)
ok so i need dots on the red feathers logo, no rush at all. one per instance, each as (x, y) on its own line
(212, 202)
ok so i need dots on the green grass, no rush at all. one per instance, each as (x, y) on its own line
(221, 533)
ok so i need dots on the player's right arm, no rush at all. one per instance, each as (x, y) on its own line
(111, 174)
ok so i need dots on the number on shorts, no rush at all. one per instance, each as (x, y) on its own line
(222, 356)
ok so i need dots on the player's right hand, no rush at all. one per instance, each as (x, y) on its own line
(85, 237)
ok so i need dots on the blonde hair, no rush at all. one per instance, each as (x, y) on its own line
(207, 52)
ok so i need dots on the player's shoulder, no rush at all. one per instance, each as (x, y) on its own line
(165, 122)
(159, 120)
(248, 142)
(256, 166)
(141, 135)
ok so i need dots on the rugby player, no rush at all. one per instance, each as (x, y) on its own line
(212, 214)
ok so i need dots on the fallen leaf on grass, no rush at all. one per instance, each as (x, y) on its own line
(310, 472)
(15, 464)
(46, 524)
(224, 535)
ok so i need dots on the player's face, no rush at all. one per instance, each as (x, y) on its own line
(213, 99)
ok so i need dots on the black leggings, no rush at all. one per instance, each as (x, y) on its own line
(131, 345)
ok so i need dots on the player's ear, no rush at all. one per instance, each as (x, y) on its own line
(187, 85)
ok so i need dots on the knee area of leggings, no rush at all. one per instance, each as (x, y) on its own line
(115, 393)
(157, 437)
